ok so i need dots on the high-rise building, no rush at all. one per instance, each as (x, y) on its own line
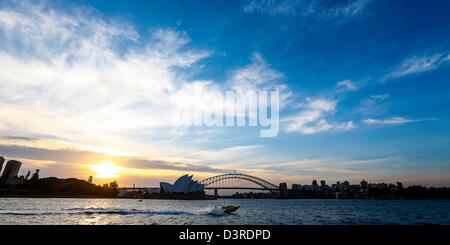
(346, 185)
(90, 179)
(2, 160)
(283, 189)
(11, 169)
(322, 183)
(314, 183)
(364, 185)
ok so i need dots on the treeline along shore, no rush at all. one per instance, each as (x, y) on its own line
(55, 187)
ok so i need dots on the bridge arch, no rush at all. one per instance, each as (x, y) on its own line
(265, 185)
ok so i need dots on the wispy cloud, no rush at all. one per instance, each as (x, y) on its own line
(272, 7)
(348, 84)
(335, 166)
(259, 76)
(318, 10)
(312, 120)
(372, 105)
(418, 64)
(335, 170)
(392, 120)
(379, 97)
(222, 155)
(376, 161)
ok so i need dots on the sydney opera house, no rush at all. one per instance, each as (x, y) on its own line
(184, 184)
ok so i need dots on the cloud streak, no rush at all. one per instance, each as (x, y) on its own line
(80, 158)
(418, 64)
(320, 11)
(392, 120)
(349, 85)
(311, 119)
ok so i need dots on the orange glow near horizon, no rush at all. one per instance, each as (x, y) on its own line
(106, 170)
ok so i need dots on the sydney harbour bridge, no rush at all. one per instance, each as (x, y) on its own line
(238, 181)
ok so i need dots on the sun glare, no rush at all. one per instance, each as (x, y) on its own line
(106, 170)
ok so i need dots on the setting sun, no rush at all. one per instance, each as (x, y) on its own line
(106, 170)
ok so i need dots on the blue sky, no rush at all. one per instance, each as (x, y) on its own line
(364, 87)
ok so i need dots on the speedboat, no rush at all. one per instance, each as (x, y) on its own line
(229, 209)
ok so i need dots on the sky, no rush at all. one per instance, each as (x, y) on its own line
(363, 86)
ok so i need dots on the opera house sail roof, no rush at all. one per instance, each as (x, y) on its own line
(184, 184)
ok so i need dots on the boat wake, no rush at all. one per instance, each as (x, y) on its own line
(216, 211)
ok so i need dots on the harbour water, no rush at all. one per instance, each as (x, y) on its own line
(51, 211)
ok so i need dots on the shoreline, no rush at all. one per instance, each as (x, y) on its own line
(187, 199)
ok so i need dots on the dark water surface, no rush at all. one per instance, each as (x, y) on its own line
(263, 211)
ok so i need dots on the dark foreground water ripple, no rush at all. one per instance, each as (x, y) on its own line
(276, 212)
